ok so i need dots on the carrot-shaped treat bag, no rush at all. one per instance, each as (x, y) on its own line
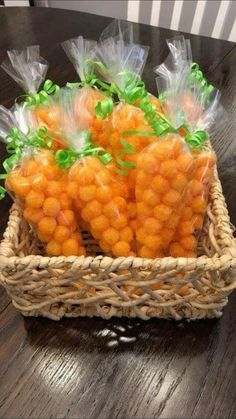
(29, 69)
(194, 106)
(98, 193)
(35, 180)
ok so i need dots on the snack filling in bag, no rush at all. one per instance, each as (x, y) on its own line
(34, 179)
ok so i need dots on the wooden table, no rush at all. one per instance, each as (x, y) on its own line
(92, 368)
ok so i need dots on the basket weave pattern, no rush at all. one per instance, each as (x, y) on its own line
(98, 285)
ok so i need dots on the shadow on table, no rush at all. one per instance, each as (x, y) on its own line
(122, 335)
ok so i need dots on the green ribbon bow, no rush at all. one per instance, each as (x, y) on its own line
(104, 108)
(41, 97)
(196, 139)
(66, 158)
(197, 74)
(17, 142)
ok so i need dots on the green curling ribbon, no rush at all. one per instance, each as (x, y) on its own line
(41, 97)
(90, 78)
(197, 74)
(122, 166)
(197, 139)
(17, 141)
(66, 158)
(104, 108)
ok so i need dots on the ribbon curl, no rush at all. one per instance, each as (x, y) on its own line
(66, 158)
(197, 74)
(41, 97)
(196, 139)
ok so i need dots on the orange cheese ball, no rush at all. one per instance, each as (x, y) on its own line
(188, 242)
(67, 218)
(173, 221)
(110, 236)
(153, 242)
(167, 235)
(152, 225)
(61, 233)
(103, 177)
(34, 199)
(65, 201)
(147, 162)
(172, 198)
(184, 162)
(150, 197)
(33, 215)
(104, 194)
(121, 203)
(198, 204)
(100, 223)
(87, 193)
(104, 246)
(126, 234)
(162, 212)
(195, 187)
(176, 250)
(179, 183)
(54, 188)
(141, 235)
(111, 210)
(91, 210)
(168, 169)
(144, 210)
(185, 228)
(119, 222)
(20, 185)
(47, 225)
(70, 247)
(159, 184)
(77, 236)
(52, 172)
(51, 207)
(38, 182)
(53, 248)
(121, 248)
(72, 190)
(147, 253)
(44, 237)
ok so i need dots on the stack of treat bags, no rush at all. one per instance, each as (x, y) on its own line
(104, 155)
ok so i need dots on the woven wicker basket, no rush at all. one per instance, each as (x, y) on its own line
(98, 285)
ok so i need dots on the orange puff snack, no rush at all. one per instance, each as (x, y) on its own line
(191, 220)
(101, 199)
(163, 172)
(42, 188)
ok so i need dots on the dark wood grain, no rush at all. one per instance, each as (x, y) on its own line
(91, 368)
